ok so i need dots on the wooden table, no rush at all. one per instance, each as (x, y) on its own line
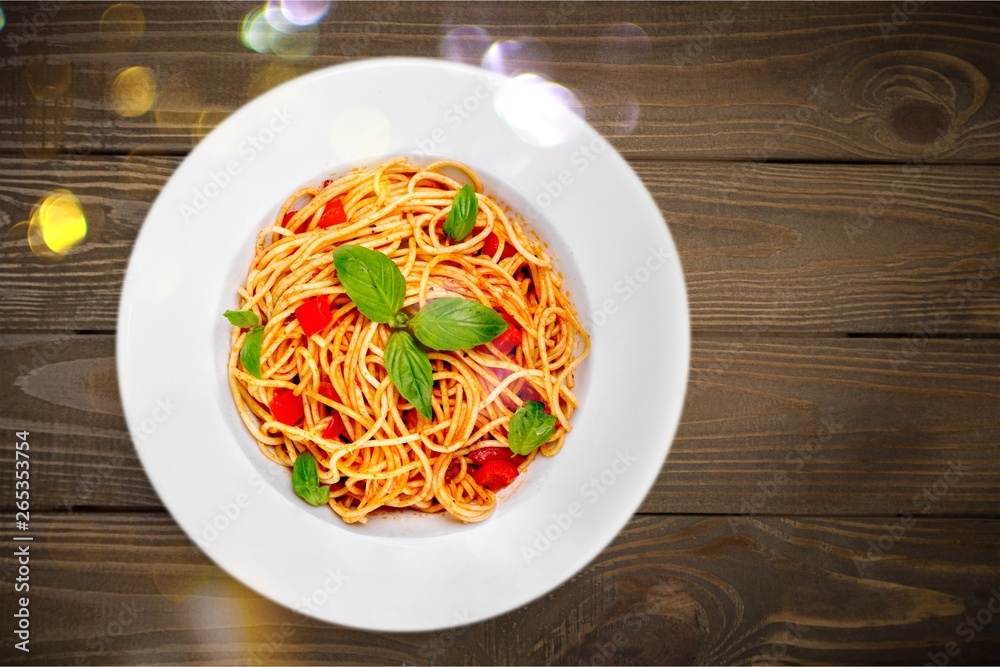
(829, 173)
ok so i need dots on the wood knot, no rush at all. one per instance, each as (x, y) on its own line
(915, 97)
(671, 609)
(919, 122)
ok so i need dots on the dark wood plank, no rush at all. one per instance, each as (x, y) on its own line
(116, 589)
(786, 426)
(834, 248)
(807, 248)
(804, 81)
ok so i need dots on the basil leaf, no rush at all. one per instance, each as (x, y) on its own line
(530, 428)
(462, 216)
(372, 280)
(305, 481)
(410, 371)
(453, 323)
(250, 352)
(242, 318)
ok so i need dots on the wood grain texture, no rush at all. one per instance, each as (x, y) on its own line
(772, 248)
(833, 493)
(787, 426)
(750, 81)
(116, 589)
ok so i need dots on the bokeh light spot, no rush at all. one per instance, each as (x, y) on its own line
(254, 31)
(48, 77)
(465, 44)
(284, 27)
(122, 23)
(134, 91)
(59, 222)
(516, 56)
(539, 111)
(35, 241)
(304, 12)
(276, 18)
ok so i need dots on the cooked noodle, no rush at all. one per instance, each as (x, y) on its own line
(390, 456)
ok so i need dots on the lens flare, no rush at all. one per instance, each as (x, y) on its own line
(58, 222)
(48, 77)
(122, 23)
(516, 56)
(276, 18)
(254, 31)
(35, 241)
(538, 110)
(304, 12)
(134, 91)
(3, 20)
(286, 29)
(465, 44)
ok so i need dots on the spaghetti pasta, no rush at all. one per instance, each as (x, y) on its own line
(373, 449)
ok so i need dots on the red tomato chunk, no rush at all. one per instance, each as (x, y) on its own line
(492, 242)
(287, 407)
(333, 214)
(495, 475)
(481, 456)
(509, 339)
(314, 314)
(335, 428)
(326, 390)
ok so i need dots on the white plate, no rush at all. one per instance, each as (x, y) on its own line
(408, 572)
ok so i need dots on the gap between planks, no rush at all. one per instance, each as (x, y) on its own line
(643, 159)
(157, 509)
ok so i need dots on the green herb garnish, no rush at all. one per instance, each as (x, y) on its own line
(242, 318)
(305, 481)
(250, 352)
(410, 371)
(530, 427)
(372, 281)
(378, 288)
(453, 323)
(462, 216)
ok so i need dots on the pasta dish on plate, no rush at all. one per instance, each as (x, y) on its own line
(402, 343)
